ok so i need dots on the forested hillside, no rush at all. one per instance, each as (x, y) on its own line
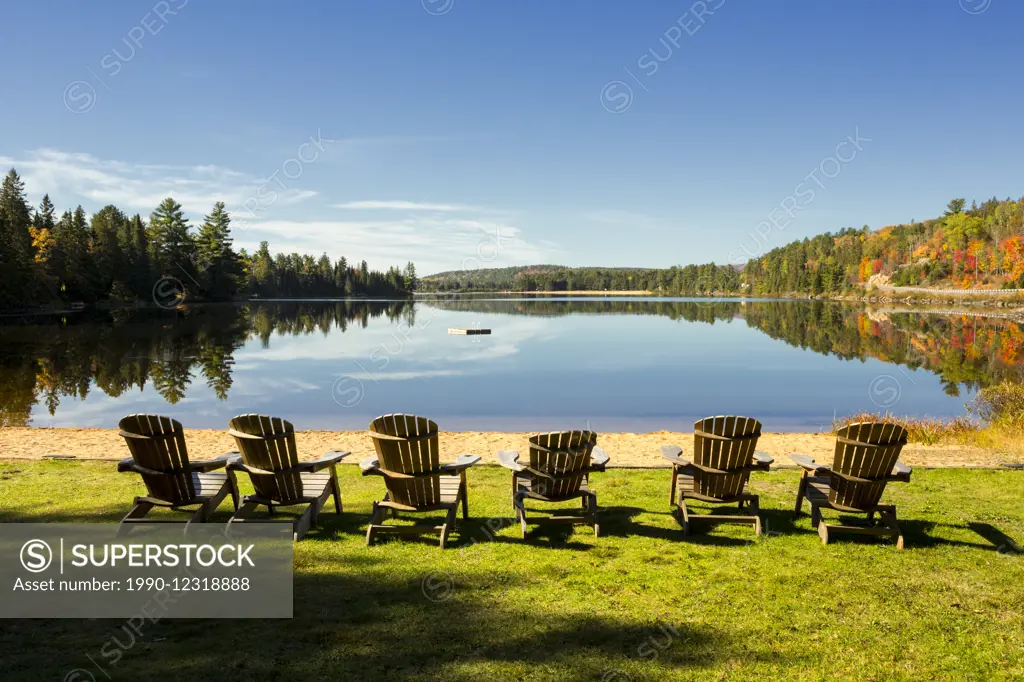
(979, 247)
(113, 256)
(688, 280)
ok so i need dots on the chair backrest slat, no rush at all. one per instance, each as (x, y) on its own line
(273, 450)
(411, 447)
(865, 450)
(560, 453)
(160, 446)
(726, 443)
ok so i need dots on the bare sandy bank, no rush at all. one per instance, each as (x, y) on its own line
(625, 449)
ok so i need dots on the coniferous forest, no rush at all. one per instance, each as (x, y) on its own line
(687, 280)
(111, 256)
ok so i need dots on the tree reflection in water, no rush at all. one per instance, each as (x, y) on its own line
(43, 360)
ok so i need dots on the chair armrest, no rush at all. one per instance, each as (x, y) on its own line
(128, 464)
(672, 452)
(329, 459)
(509, 460)
(763, 458)
(598, 459)
(807, 463)
(901, 472)
(370, 465)
(236, 464)
(462, 462)
(216, 463)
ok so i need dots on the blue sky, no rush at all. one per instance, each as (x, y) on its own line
(464, 133)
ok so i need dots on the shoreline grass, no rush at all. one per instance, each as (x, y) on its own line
(639, 603)
(997, 422)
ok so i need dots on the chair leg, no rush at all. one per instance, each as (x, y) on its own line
(755, 510)
(336, 490)
(304, 523)
(889, 518)
(233, 489)
(199, 515)
(211, 504)
(686, 517)
(206, 510)
(822, 531)
(520, 505)
(314, 513)
(137, 512)
(449, 524)
(245, 510)
(672, 490)
(374, 520)
(815, 515)
(465, 502)
(800, 491)
(593, 512)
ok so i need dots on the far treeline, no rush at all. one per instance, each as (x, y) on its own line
(688, 280)
(113, 256)
(966, 248)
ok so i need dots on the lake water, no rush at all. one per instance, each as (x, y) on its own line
(613, 364)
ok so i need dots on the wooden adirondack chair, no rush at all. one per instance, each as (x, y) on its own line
(159, 454)
(723, 457)
(559, 470)
(416, 481)
(269, 456)
(865, 460)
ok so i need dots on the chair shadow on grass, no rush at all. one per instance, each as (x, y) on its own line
(921, 535)
(999, 540)
(622, 522)
(506, 530)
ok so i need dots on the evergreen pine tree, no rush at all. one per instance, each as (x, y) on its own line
(17, 285)
(171, 244)
(214, 258)
(110, 266)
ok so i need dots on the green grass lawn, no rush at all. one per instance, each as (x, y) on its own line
(638, 603)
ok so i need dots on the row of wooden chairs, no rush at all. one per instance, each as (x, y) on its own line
(557, 470)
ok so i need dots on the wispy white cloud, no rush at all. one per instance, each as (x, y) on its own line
(84, 178)
(433, 243)
(399, 205)
(436, 236)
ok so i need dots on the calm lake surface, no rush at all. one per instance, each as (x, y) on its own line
(615, 364)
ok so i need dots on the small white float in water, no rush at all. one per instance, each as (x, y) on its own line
(459, 330)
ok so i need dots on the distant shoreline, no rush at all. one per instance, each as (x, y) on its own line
(588, 292)
(909, 296)
(581, 293)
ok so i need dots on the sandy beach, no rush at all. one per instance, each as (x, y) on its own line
(625, 449)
